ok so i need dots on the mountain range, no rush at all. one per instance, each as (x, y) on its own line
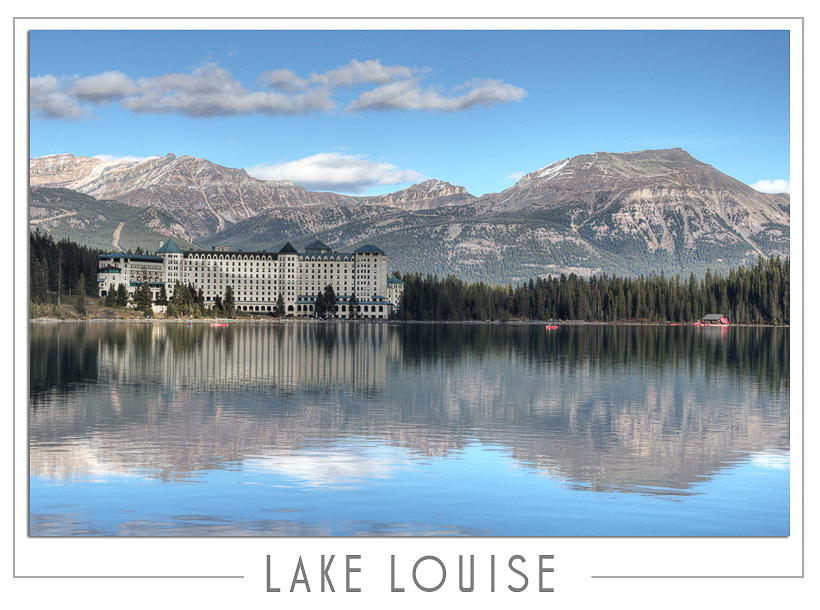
(615, 213)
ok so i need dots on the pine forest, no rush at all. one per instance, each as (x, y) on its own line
(746, 295)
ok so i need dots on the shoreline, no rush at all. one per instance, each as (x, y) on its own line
(267, 321)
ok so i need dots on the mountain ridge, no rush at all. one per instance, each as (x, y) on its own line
(626, 213)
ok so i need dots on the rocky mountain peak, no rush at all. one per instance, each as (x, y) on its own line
(664, 200)
(432, 187)
(610, 212)
(200, 195)
(425, 195)
(609, 170)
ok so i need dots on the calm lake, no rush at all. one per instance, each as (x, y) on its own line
(419, 429)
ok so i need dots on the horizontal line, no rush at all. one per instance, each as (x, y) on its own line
(800, 576)
(421, 18)
(16, 576)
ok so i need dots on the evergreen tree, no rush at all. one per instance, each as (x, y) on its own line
(162, 297)
(122, 296)
(320, 309)
(139, 297)
(353, 307)
(218, 308)
(45, 276)
(330, 301)
(182, 299)
(228, 302)
(784, 292)
(694, 297)
(142, 298)
(280, 305)
(757, 294)
(38, 279)
(63, 262)
(80, 305)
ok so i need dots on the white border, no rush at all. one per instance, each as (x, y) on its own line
(722, 565)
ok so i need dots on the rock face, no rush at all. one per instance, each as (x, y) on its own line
(107, 225)
(624, 214)
(665, 198)
(207, 198)
(203, 197)
(425, 196)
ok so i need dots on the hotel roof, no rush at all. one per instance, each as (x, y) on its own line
(169, 247)
(133, 257)
(317, 245)
(369, 250)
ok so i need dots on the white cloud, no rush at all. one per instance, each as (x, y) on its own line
(335, 172)
(409, 95)
(772, 186)
(283, 80)
(516, 176)
(358, 72)
(48, 100)
(355, 73)
(210, 90)
(104, 87)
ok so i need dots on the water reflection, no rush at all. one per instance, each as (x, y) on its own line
(652, 410)
(334, 466)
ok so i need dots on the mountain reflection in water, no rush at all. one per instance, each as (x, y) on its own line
(651, 410)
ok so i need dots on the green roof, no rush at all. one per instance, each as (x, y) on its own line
(369, 250)
(317, 245)
(288, 249)
(133, 257)
(169, 247)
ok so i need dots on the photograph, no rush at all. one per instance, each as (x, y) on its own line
(376, 311)
(427, 283)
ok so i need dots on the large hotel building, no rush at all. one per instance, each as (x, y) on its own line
(258, 278)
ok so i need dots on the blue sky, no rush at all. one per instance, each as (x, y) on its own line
(369, 112)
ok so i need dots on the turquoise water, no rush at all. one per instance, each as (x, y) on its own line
(377, 429)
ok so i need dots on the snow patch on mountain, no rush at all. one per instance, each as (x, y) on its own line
(552, 170)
